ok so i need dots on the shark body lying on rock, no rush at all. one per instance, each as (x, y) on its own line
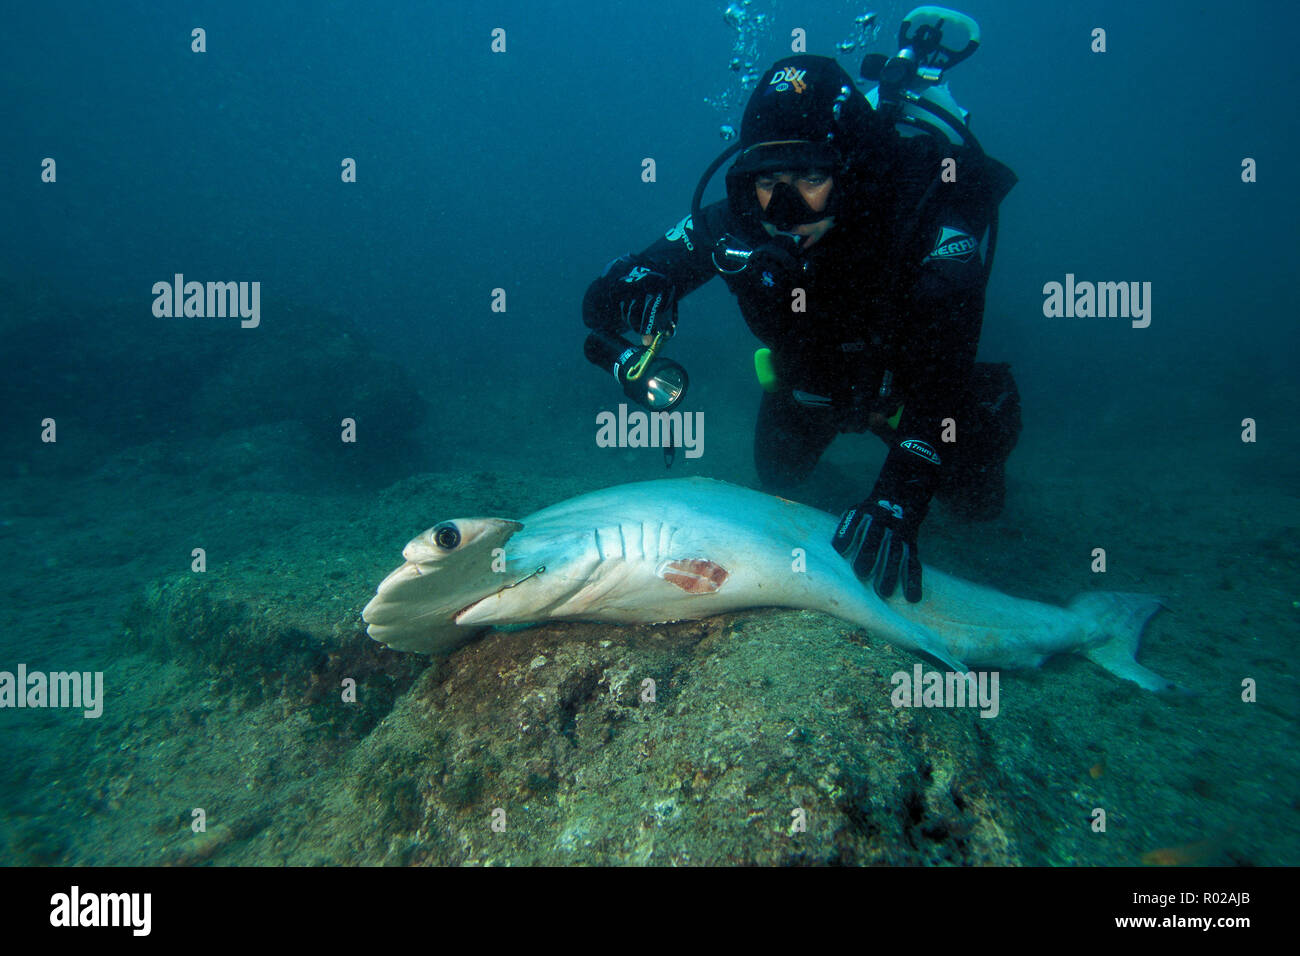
(685, 549)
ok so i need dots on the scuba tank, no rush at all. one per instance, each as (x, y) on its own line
(911, 86)
(912, 94)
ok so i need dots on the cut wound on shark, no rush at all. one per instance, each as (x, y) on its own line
(694, 575)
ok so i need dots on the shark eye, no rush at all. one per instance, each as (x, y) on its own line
(446, 536)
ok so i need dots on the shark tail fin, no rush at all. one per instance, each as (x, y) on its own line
(1118, 620)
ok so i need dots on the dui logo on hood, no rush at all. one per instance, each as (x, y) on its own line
(918, 447)
(786, 79)
(953, 244)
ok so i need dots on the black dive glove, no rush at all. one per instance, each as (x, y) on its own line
(647, 301)
(878, 536)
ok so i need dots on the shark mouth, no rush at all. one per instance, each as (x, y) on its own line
(540, 569)
(470, 606)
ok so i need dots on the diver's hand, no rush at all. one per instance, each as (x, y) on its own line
(647, 301)
(879, 539)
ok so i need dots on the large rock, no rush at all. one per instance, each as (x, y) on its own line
(542, 747)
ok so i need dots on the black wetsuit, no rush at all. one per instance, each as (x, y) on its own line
(894, 296)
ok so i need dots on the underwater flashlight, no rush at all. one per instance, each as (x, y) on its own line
(660, 384)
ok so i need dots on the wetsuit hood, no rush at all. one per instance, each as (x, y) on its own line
(805, 113)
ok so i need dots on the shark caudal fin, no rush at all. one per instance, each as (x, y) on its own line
(1118, 620)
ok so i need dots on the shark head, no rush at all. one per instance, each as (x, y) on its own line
(449, 568)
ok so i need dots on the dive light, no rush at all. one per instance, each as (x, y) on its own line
(648, 379)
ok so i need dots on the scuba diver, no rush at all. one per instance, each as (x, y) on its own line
(857, 236)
